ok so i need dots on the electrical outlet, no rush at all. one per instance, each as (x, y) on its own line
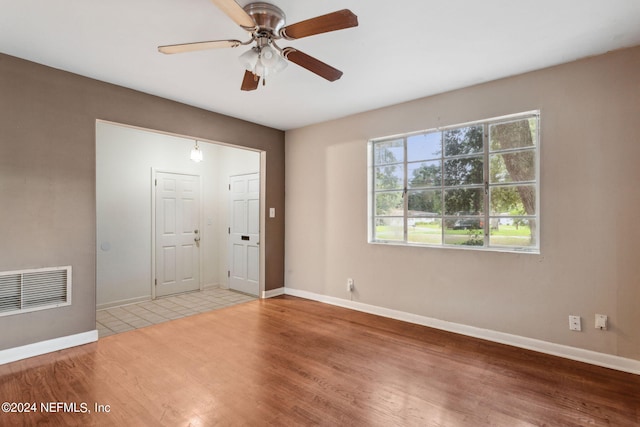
(349, 284)
(601, 322)
(574, 323)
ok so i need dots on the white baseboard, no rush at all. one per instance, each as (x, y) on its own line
(36, 349)
(273, 292)
(573, 353)
(123, 302)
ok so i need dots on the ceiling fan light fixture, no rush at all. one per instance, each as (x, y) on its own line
(272, 60)
(249, 59)
(266, 24)
(263, 61)
(280, 64)
(268, 56)
(260, 70)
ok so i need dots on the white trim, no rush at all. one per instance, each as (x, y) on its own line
(262, 252)
(179, 135)
(122, 302)
(153, 233)
(490, 120)
(273, 292)
(36, 349)
(581, 355)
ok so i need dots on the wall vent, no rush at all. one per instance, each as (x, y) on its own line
(37, 289)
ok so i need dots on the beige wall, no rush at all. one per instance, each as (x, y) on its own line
(590, 205)
(47, 180)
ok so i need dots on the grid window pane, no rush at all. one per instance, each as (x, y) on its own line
(389, 177)
(424, 174)
(513, 200)
(512, 232)
(513, 134)
(389, 203)
(426, 231)
(516, 166)
(462, 141)
(464, 232)
(424, 147)
(425, 203)
(463, 171)
(385, 152)
(389, 228)
(467, 202)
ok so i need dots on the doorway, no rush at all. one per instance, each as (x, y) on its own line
(126, 158)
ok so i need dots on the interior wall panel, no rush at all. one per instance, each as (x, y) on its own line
(48, 186)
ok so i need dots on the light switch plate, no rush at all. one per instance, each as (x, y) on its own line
(574, 323)
(601, 321)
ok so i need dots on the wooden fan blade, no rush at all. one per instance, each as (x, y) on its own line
(312, 64)
(234, 11)
(190, 47)
(250, 81)
(321, 24)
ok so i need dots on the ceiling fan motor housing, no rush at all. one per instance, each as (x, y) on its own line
(269, 18)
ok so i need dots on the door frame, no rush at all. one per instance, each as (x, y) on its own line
(154, 173)
(262, 294)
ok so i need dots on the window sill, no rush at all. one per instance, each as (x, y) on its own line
(526, 251)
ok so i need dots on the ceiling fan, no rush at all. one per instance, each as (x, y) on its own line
(266, 24)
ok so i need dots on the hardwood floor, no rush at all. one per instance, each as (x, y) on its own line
(289, 361)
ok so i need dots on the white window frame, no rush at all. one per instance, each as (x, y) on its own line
(486, 217)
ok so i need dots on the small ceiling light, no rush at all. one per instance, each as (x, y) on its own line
(249, 59)
(268, 56)
(196, 153)
(271, 60)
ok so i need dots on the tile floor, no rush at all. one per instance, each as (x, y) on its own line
(113, 320)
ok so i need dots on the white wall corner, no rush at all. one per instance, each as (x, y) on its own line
(581, 355)
(36, 349)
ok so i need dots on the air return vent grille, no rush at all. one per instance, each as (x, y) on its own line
(30, 290)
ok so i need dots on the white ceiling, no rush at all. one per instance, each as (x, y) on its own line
(402, 50)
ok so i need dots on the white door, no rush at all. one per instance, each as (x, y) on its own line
(177, 233)
(244, 233)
